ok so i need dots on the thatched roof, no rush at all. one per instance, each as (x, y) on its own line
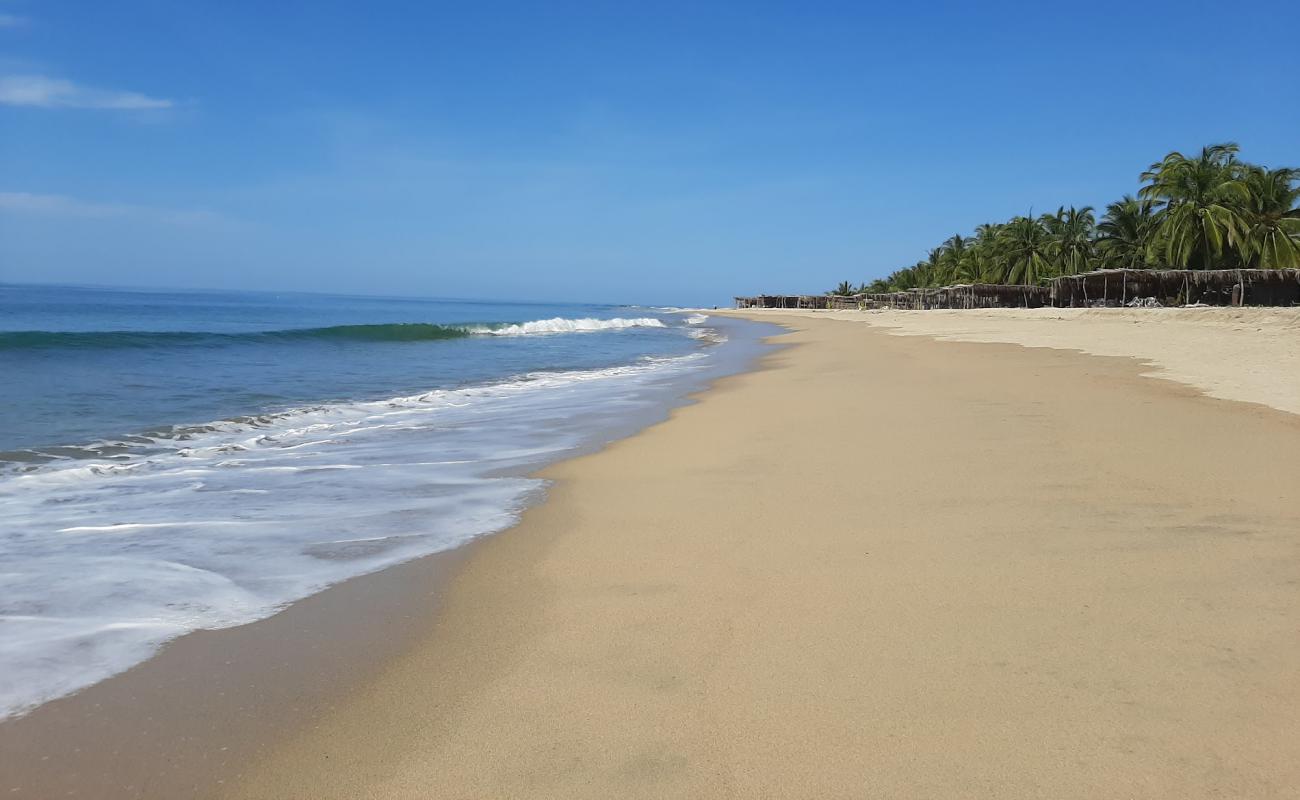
(1180, 286)
(1255, 287)
(1199, 276)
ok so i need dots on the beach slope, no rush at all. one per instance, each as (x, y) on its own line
(880, 566)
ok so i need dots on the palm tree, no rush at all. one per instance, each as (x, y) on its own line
(1271, 219)
(933, 269)
(917, 275)
(986, 257)
(956, 259)
(845, 289)
(1200, 200)
(1071, 231)
(907, 278)
(1126, 234)
(1027, 248)
(1206, 211)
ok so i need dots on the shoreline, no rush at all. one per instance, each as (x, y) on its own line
(469, 689)
(1050, 590)
(189, 719)
(184, 722)
(122, 544)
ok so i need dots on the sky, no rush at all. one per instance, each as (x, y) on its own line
(656, 153)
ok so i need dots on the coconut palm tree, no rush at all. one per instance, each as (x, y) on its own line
(932, 269)
(957, 264)
(1028, 250)
(845, 289)
(916, 276)
(903, 279)
(1126, 234)
(1200, 200)
(1206, 211)
(1071, 230)
(1271, 218)
(985, 256)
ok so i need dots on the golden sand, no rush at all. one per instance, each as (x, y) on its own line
(1246, 354)
(883, 566)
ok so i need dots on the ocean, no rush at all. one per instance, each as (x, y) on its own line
(176, 461)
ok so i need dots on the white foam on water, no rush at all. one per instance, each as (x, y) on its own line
(104, 560)
(710, 335)
(561, 325)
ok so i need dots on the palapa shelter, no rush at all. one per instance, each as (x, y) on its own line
(1173, 287)
(851, 302)
(988, 295)
(968, 295)
(961, 296)
(783, 301)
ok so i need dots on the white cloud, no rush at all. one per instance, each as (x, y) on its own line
(39, 91)
(64, 206)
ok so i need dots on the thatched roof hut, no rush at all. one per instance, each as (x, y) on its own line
(961, 296)
(968, 295)
(783, 301)
(850, 302)
(1172, 287)
(989, 295)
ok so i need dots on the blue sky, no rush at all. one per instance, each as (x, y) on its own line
(663, 153)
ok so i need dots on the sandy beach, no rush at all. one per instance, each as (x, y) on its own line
(1246, 354)
(616, 402)
(880, 566)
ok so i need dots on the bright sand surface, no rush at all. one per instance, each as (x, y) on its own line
(882, 566)
(1248, 354)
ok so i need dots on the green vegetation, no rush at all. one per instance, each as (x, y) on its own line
(1210, 211)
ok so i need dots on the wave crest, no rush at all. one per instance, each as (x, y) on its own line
(383, 332)
(561, 325)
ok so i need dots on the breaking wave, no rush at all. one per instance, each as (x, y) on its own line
(561, 325)
(391, 332)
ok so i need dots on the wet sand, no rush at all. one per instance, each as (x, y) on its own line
(189, 720)
(881, 566)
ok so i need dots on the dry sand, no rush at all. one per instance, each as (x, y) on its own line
(1247, 354)
(881, 567)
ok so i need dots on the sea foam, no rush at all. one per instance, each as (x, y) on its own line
(561, 325)
(107, 558)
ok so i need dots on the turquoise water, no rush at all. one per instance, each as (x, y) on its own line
(179, 461)
(85, 364)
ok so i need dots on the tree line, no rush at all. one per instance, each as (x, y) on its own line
(1212, 211)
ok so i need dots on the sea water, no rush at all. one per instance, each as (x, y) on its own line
(175, 461)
